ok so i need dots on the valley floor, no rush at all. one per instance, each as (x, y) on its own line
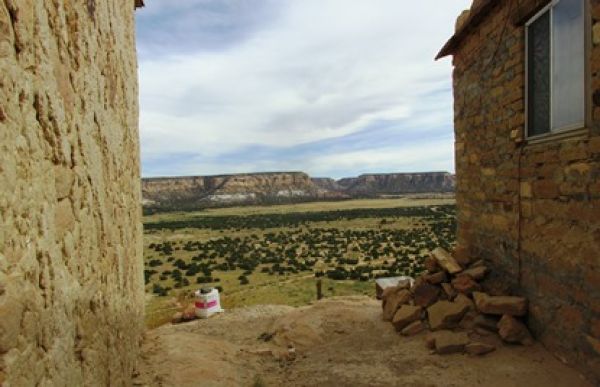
(336, 342)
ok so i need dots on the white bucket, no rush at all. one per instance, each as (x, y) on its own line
(207, 303)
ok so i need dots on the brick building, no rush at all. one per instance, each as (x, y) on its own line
(527, 126)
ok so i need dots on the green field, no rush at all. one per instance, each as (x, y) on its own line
(273, 254)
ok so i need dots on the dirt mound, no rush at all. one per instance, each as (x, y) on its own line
(335, 342)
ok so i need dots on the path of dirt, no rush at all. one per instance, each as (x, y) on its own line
(337, 342)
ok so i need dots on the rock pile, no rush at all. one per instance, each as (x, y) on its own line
(449, 301)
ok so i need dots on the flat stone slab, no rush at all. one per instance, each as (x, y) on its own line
(446, 261)
(500, 305)
(447, 342)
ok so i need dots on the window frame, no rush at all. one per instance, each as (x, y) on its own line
(577, 127)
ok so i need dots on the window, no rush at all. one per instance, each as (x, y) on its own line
(556, 68)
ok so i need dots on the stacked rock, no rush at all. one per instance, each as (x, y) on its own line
(449, 301)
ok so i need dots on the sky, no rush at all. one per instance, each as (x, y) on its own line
(334, 88)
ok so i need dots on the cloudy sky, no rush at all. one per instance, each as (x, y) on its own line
(330, 87)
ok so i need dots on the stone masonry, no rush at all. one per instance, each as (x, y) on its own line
(71, 285)
(530, 209)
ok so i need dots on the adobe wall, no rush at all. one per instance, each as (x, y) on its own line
(71, 295)
(532, 211)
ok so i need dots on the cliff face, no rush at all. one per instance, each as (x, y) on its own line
(71, 282)
(184, 193)
(398, 183)
(213, 191)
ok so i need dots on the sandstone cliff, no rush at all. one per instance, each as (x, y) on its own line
(185, 193)
(213, 191)
(398, 183)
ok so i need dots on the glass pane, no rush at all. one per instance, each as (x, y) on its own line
(538, 73)
(568, 52)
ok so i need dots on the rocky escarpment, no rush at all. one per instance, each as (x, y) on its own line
(398, 183)
(194, 192)
(172, 193)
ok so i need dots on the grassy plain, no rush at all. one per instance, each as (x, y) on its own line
(280, 263)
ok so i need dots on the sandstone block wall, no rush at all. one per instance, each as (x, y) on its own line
(71, 295)
(532, 210)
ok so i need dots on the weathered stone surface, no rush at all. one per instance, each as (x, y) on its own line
(447, 342)
(512, 330)
(386, 293)
(436, 278)
(479, 349)
(425, 294)
(449, 291)
(467, 322)
(477, 273)
(446, 261)
(465, 284)
(464, 300)
(413, 328)
(70, 219)
(486, 322)
(461, 256)
(393, 302)
(445, 314)
(514, 306)
(406, 315)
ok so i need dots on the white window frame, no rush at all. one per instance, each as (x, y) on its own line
(567, 128)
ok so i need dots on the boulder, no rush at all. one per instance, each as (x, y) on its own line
(445, 314)
(500, 305)
(393, 302)
(479, 349)
(513, 331)
(464, 300)
(447, 342)
(477, 273)
(413, 328)
(425, 294)
(465, 284)
(436, 278)
(406, 315)
(449, 291)
(446, 261)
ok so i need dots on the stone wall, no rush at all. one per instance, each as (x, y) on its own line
(71, 296)
(532, 210)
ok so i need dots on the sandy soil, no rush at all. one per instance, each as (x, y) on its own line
(335, 342)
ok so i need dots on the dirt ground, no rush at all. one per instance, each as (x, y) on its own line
(334, 342)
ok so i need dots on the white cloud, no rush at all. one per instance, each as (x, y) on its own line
(324, 69)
